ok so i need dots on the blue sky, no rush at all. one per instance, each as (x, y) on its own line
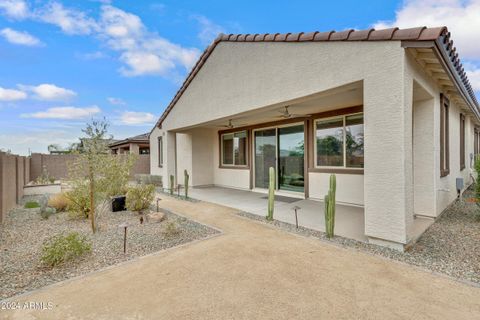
(64, 62)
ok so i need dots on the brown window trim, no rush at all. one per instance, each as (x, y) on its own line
(337, 170)
(160, 151)
(241, 167)
(311, 130)
(462, 141)
(444, 136)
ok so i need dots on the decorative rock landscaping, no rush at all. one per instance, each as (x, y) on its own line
(24, 232)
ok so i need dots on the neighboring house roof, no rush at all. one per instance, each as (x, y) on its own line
(439, 35)
(141, 138)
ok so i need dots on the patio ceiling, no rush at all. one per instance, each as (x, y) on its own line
(336, 98)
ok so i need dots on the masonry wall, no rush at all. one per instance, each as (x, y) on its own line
(57, 165)
(12, 180)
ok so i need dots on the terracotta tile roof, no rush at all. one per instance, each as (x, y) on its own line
(438, 34)
(141, 138)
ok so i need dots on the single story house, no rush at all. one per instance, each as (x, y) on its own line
(138, 145)
(390, 112)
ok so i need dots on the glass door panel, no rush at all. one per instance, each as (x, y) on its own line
(265, 155)
(291, 144)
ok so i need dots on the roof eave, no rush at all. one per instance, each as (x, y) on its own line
(443, 56)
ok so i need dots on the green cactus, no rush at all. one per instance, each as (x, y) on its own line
(330, 203)
(271, 193)
(172, 180)
(186, 182)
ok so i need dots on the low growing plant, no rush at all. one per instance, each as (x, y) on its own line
(45, 213)
(59, 201)
(45, 177)
(171, 230)
(61, 248)
(140, 197)
(31, 205)
(78, 200)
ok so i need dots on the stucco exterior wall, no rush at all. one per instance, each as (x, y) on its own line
(349, 187)
(275, 73)
(432, 194)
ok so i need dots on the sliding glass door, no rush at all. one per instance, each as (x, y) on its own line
(265, 155)
(291, 162)
(283, 149)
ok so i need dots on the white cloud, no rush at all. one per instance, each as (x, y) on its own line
(12, 95)
(208, 30)
(64, 113)
(71, 21)
(461, 17)
(142, 52)
(473, 74)
(19, 37)
(49, 92)
(136, 118)
(116, 101)
(16, 9)
(96, 55)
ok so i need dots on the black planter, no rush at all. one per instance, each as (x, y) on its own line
(118, 203)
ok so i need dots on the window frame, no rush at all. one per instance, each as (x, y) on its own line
(444, 136)
(344, 150)
(247, 150)
(462, 141)
(160, 151)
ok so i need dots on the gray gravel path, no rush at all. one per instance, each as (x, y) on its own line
(23, 233)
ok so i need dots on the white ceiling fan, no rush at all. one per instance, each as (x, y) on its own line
(287, 115)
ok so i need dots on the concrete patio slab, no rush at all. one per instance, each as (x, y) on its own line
(349, 220)
(254, 271)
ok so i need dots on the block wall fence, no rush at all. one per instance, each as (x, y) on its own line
(17, 171)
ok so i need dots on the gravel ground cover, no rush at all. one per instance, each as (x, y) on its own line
(450, 246)
(24, 231)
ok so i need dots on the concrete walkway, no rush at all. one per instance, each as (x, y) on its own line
(253, 271)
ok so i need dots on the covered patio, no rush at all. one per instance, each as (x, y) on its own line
(349, 219)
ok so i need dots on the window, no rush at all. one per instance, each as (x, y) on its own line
(160, 152)
(476, 140)
(339, 142)
(444, 137)
(144, 150)
(234, 148)
(462, 141)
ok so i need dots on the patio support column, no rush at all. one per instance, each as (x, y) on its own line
(387, 174)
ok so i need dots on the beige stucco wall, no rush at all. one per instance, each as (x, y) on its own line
(349, 187)
(431, 193)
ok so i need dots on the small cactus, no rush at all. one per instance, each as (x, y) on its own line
(187, 177)
(172, 180)
(330, 203)
(271, 193)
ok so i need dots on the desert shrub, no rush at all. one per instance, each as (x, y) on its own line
(62, 248)
(78, 200)
(45, 177)
(31, 205)
(115, 173)
(171, 230)
(140, 197)
(45, 213)
(142, 178)
(59, 201)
